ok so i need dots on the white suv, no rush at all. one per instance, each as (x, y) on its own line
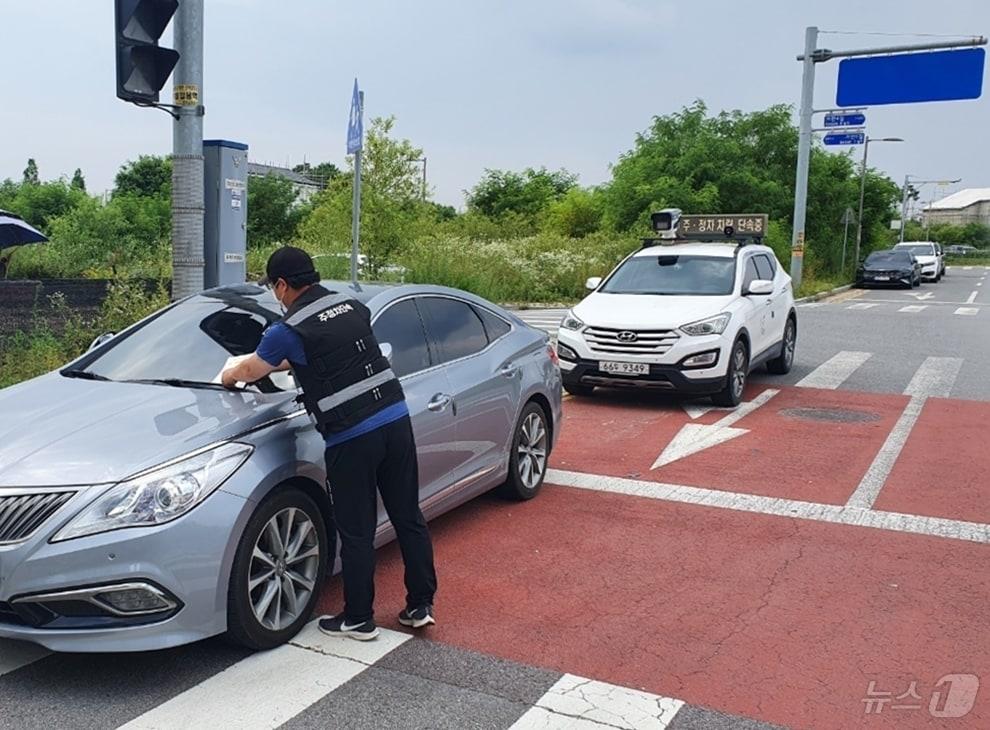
(928, 255)
(692, 318)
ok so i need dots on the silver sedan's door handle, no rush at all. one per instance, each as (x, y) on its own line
(509, 371)
(439, 402)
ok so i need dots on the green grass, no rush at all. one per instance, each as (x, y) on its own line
(968, 260)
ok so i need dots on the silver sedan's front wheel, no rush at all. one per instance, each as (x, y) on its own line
(278, 569)
(284, 565)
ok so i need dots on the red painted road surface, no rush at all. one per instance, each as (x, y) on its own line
(779, 619)
(945, 468)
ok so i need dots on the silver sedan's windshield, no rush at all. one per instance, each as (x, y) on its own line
(190, 341)
(673, 275)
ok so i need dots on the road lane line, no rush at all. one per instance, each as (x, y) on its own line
(586, 704)
(269, 688)
(833, 372)
(777, 507)
(17, 654)
(913, 308)
(934, 379)
(967, 310)
(972, 297)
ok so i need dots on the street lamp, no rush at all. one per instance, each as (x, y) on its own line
(862, 188)
(918, 184)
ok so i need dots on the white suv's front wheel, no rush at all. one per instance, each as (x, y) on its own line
(735, 379)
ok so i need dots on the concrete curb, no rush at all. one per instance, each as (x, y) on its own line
(823, 294)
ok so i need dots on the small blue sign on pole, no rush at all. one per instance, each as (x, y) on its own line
(906, 78)
(355, 125)
(844, 138)
(842, 119)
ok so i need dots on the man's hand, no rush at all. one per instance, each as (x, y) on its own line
(249, 370)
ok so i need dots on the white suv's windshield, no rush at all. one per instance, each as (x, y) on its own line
(918, 249)
(673, 275)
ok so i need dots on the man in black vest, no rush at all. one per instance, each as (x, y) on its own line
(359, 408)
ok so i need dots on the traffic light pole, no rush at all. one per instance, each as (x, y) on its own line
(188, 262)
(804, 154)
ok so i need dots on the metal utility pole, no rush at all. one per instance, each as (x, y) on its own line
(846, 220)
(862, 189)
(356, 217)
(188, 211)
(804, 154)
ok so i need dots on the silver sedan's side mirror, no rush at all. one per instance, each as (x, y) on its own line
(386, 349)
(593, 283)
(102, 339)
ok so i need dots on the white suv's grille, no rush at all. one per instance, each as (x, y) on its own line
(609, 341)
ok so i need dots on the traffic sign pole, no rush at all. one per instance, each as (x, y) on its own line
(804, 155)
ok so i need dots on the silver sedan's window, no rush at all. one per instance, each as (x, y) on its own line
(401, 327)
(456, 327)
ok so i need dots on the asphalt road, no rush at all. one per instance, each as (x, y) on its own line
(782, 564)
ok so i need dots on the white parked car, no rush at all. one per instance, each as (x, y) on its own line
(692, 318)
(929, 256)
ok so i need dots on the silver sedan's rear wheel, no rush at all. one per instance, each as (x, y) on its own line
(530, 451)
(278, 569)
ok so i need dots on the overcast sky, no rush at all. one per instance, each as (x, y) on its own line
(476, 83)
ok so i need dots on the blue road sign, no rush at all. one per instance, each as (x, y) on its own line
(845, 120)
(355, 125)
(906, 78)
(843, 138)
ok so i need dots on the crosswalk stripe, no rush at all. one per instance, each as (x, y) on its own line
(833, 372)
(863, 305)
(267, 689)
(967, 310)
(935, 377)
(913, 308)
(16, 654)
(584, 704)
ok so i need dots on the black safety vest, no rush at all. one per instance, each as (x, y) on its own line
(346, 379)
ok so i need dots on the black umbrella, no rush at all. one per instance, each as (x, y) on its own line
(15, 232)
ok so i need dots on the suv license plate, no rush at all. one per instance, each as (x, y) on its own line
(624, 368)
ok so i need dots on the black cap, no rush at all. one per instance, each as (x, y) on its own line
(287, 263)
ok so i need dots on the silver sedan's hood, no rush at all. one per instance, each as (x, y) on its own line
(65, 431)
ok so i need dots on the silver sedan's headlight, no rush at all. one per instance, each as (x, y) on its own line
(712, 326)
(571, 322)
(159, 495)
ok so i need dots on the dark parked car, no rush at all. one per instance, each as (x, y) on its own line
(898, 268)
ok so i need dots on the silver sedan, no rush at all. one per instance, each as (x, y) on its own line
(143, 506)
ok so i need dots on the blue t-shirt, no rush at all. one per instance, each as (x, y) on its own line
(283, 343)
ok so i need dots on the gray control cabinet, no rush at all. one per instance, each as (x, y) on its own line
(225, 235)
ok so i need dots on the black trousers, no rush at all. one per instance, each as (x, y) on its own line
(382, 461)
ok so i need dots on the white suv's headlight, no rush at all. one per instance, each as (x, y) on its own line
(159, 495)
(571, 322)
(712, 326)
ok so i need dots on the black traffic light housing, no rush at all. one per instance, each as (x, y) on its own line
(143, 66)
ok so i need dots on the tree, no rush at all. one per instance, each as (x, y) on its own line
(31, 173)
(40, 203)
(392, 210)
(148, 176)
(527, 193)
(577, 214)
(272, 211)
(78, 181)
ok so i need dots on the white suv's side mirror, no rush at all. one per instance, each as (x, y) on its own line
(386, 349)
(760, 287)
(593, 283)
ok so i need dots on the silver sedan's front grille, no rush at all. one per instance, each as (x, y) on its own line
(22, 514)
(608, 341)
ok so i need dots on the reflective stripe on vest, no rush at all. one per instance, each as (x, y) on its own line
(315, 308)
(353, 391)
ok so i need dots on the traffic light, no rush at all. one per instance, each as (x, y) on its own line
(143, 66)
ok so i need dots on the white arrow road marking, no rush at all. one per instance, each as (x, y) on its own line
(922, 297)
(697, 411)
(695, 437)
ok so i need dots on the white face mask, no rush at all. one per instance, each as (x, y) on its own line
(280, 304)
